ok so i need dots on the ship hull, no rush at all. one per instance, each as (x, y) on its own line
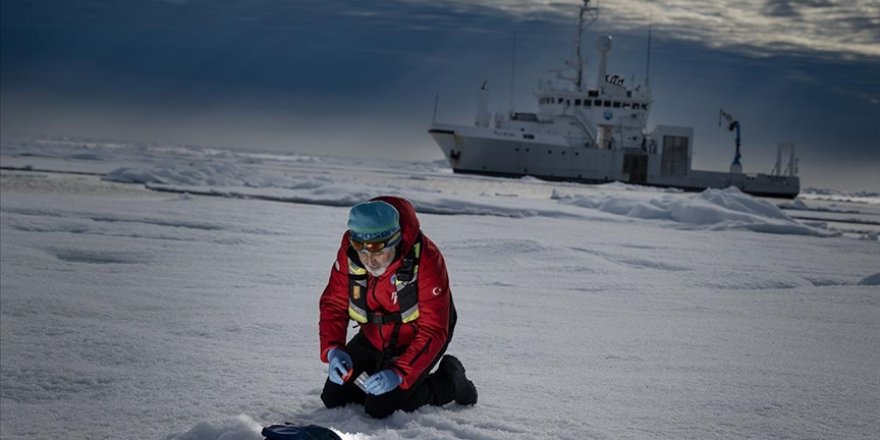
(483, 151)
(478, 150)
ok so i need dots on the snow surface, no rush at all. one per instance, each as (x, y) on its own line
(137, 304)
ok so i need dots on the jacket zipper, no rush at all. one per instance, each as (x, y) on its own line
(371, 287)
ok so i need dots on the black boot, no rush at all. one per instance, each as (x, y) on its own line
(465, 391)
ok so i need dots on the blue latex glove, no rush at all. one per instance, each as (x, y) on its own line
(382, 382)
(340, 366)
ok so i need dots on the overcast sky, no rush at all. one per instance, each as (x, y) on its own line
(359, 77)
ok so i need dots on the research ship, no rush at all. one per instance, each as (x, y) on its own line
(597, 133)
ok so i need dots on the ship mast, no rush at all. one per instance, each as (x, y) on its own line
(592, 13)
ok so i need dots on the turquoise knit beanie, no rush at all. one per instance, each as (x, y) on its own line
(373, 221)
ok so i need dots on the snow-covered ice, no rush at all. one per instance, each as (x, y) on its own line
(138, 304)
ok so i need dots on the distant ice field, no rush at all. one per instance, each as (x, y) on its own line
(342, 181)
(171, 293)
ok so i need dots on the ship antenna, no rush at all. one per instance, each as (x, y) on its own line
(580, 61)
(648, 61)
(512, 70)
(593, 15)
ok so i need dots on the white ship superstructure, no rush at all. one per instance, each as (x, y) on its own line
(593, 134)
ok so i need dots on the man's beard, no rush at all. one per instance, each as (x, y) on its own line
(379, 271)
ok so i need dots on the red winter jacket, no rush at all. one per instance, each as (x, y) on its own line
(422, 339)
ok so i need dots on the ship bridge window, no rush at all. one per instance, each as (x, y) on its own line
(577, 102)
(644, 106)
(587, 103)
(616, 104)
(530, 117)
(559, 101)
(597, 102)
(625, 105)
(606, 103)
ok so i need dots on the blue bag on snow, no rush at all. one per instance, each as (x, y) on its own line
(291, 432)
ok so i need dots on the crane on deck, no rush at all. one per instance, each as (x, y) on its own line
(732, 125)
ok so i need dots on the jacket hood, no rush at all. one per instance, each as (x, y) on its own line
(409, 223)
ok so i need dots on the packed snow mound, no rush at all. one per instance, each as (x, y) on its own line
(215, 173)
(221, 177)
(230, 179)
(717, 209)
(871, 280)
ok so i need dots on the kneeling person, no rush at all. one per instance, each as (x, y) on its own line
(391, 279)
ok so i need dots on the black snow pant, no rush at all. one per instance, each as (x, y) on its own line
(430, 389)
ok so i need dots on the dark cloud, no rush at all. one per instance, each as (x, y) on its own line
(793, 8)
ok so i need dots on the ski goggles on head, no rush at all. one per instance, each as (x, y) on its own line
(375, 246)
